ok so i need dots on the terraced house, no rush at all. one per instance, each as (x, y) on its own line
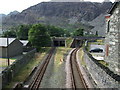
(112, 40)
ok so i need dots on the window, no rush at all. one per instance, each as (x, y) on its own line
(108, 26)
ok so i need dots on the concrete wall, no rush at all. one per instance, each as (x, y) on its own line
(13, 69)
(103, 76)
(112, 41)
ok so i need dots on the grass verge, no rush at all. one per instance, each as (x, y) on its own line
(69, 41)
(59, 56)
(81, 56)
(59, 67)
(103, 63)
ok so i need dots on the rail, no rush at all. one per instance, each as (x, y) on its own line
(77, 79)
(35, 84)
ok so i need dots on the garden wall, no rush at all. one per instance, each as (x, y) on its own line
(14, 68)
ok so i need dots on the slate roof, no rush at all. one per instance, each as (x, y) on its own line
(113, 7)
(3, 41)
(24, 42)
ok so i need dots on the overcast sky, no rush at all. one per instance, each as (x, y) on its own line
(7, 6)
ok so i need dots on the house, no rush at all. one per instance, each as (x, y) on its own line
(112, 38)
(26, 45)
(11, 47)
(24, 42)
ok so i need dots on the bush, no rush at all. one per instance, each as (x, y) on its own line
(39, 37)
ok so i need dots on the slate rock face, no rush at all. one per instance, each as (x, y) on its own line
(51, 12)
(99, 25)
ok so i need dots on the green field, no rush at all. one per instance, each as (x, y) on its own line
(4, 61)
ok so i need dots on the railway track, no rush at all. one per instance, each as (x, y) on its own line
(77, 79)
(35, 84)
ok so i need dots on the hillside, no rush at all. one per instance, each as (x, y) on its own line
(64, 14)
(99, 25)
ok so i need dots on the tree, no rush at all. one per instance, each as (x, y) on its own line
(78, 32)
(39, 37)
(10, 33)
(22, 32)
(67, 33)
(55, 31)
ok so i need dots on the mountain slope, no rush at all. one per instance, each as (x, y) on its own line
(64, 14)
(99, 25)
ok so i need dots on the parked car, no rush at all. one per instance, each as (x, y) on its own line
(96, 50)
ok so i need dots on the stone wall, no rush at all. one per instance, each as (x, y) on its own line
(13, 69)
(103, 76)
(112, 41)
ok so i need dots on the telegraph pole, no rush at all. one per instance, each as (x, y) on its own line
(8, 51)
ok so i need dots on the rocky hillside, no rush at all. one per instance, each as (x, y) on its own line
(68, 15)
(99, 25)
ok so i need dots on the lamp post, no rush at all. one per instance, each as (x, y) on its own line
(8, 51)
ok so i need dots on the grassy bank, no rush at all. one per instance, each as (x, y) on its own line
(25, 71)
(69, 41)
(81, 56)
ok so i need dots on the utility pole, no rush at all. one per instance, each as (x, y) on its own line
(8, 51)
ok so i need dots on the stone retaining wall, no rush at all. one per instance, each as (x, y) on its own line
(103, 77)
(13, 69)
(112, 39)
